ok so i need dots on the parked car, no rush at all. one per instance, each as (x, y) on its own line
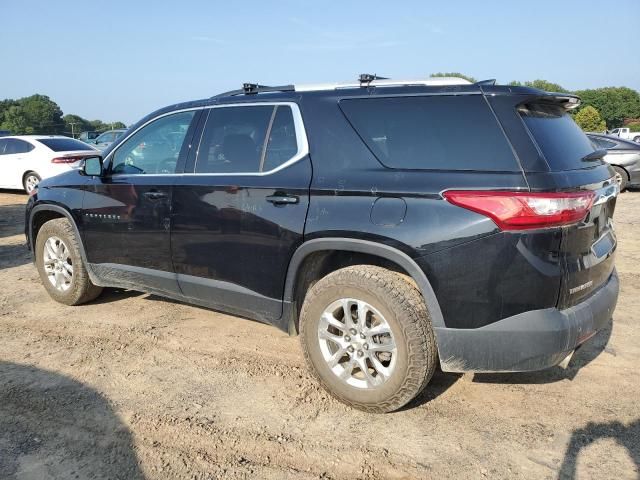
(625, 134)
(623, 155)
(355, 216)
(105, 139)
(88, 137)
(26, 159)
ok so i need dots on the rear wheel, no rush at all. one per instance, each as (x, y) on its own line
(622, 178)
(636, 139)
(30, 181)
(60, 265)
(367, 337)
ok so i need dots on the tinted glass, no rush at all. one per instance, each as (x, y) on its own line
(560, 140)
(600, 143)
(282, 144)
(15, 145)
(64, 144)
(233, 139)
(106, 137)
(155, 148)
(3, 145)
(432, 133)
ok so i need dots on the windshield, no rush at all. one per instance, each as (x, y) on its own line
(560, 140)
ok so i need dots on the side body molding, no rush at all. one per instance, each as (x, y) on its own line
(362, 246)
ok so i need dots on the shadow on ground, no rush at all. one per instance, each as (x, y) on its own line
(54, 427)
(627, 436)
(584, 355)
(11, 220)
(14, 255)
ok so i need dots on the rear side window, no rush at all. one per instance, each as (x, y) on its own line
(247, 139)
(15, 145)
(64, 144)
(562, 143)
(432, 133)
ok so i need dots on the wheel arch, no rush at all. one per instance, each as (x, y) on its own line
(296, 284)
(40, 214)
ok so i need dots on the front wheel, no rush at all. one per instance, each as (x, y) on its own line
(367, 337)
(60, 265)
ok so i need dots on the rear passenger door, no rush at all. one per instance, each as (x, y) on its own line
(238, 212)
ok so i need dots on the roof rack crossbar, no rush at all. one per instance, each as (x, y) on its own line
(253, 88)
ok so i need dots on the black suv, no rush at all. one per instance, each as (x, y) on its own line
(394, 225)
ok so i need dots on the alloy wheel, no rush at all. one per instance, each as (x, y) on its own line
(58, 264)
(357, 343)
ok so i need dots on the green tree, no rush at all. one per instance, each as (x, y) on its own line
(589, 120)
(42, 114)
(615, 104)
(14, 120)
(454, 74)
(540, 84)
(74, 124)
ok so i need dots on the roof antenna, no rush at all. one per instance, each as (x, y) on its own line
(366, 78)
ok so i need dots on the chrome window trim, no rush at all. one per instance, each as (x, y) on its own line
(301, 140)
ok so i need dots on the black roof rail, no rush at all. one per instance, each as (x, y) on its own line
(253, 88)
(489, 82)
(367, 78)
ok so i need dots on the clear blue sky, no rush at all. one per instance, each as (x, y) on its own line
(118, 60)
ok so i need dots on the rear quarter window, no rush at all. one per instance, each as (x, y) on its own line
(562, 143)
(64, 144)
(432, 132)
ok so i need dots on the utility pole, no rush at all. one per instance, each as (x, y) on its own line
(73, 134)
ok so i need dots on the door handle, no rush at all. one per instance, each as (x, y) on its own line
(152, 195)
(282, 199)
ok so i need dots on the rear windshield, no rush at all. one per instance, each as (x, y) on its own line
(64, 144)
(432, 132)
(560, 140)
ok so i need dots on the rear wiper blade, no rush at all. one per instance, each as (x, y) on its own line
(597, 155)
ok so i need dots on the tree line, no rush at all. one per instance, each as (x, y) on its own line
(601, 109)
(39, 115)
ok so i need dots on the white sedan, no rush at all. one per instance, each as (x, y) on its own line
(27, 159)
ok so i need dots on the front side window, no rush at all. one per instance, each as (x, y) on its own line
(155, 148)
(247, 139)
(3, 146)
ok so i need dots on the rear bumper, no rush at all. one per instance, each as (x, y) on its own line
(528, 341)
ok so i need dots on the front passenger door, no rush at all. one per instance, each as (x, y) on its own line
(126, 213)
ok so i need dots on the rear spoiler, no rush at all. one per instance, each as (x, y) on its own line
(567, 101)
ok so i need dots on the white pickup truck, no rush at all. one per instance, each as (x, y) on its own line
(625, 133)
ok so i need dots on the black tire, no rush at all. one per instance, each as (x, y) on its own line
(624, 178)
(636, 139)
(26, 181)
(80, 290)
(397, 298)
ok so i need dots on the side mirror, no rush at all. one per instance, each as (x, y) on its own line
(92, 166)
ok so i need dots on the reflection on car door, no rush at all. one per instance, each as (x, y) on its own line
(127, 212)
(239, 214)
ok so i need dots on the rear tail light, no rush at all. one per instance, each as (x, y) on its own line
(523, 210)
(67, 159)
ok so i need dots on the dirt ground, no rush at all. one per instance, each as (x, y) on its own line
(134, 386)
